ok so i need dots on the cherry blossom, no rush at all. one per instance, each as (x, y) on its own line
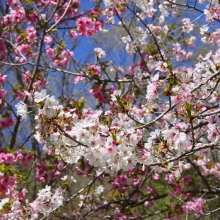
(22, 110)
(115, 127)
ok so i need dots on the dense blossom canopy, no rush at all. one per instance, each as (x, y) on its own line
(143, 142)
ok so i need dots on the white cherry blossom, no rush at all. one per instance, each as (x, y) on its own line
(22, 110)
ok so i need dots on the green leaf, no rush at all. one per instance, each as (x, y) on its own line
(54, 31)
(82, 164)
(22, 33)
(81, 104)
(28, 2)
(121, 86)
(170, 39)
(151, 49)
(61, 43)
(172, 27)
(170, 66)
(2, 168)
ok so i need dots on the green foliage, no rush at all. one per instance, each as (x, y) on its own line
(151, 48)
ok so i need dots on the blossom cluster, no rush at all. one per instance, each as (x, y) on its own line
(152, 131)
(45, 203)
(87, 136)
